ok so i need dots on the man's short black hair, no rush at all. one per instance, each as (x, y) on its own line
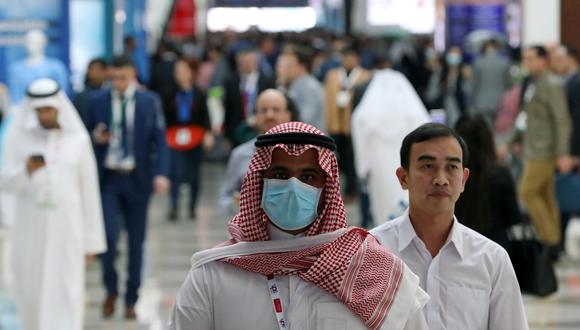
(350, 49)
(541, 51)
(427, 132)
(100, 61)
(382, 58)
(122, 61)
(571, 51)
(247, 48)
(302, 53)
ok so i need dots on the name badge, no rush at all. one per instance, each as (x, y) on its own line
(342, 99)
(183, 136)
(521, 121)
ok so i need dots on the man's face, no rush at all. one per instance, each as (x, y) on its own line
(97, 73)
(122, 77)
(304, 168)
(247, 62)
(533, 63)
(47, 117)
(183, 73)
(560, 61)
(271, 110)
(435, 177)
(293, 67)
(283, 69)
(349, 60)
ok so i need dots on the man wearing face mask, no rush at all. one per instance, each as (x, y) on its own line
(292, 256)
(454, 85)
(272, 108)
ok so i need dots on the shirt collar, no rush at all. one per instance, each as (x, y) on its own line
(407, 234)
(129, 92)
(406, 231)
(456, 237)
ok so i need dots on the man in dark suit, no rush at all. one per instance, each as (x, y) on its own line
(241, 92)
(128, 133)
(565, 62)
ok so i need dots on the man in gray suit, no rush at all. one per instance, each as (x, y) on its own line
(304, 89)
(491, 78)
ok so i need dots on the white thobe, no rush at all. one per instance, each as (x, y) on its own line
(220, 296)
(471, 281)
(389, 109)
(58, 221)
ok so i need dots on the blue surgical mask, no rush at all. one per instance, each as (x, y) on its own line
(290, 204)
(453, 59)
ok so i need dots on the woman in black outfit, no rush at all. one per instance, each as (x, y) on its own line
(188, 133)
(489, 204)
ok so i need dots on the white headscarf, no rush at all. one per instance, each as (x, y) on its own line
(46, 92)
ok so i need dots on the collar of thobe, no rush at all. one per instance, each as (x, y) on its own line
(407, 234)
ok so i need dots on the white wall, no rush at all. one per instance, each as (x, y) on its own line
(541, 21)
(156, 15)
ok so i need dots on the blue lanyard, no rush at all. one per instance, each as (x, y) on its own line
(184, 100)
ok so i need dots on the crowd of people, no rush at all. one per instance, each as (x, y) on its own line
(291, 111)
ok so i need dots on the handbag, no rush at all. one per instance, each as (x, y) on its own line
(568, 192)
(184, 137)
(532, 263)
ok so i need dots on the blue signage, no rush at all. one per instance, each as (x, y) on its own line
(19, 17)
(261, 3)
(462, 19)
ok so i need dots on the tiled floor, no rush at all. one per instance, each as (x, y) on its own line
(170, 246)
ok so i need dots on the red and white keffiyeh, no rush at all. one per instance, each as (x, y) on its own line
(354, 267)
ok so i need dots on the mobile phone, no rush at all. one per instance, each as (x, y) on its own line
(102, 127)
(37, 158)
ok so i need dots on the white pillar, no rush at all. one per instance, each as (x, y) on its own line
(541, 22)
(201, 7)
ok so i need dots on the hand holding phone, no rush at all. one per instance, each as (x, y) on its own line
(101, 134)
(34, 163)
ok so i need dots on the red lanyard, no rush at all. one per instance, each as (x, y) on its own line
(276, 302)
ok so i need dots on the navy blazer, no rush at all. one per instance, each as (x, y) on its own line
(573, 93)
(151, 151)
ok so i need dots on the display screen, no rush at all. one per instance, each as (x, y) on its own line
(415, 16)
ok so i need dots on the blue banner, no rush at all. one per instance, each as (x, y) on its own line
(261, 3)
(135, 27)
(462, 19)
(19, 17)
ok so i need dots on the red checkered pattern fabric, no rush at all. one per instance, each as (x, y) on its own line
(354, 267)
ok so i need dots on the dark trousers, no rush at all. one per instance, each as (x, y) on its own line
(186, 167)
(564, 220)
(346, 162)
(122, 197)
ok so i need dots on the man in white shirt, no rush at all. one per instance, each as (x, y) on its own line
(469, 278)
(292, 263)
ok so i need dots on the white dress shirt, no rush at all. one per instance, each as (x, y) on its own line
(220, 296)
(471, 281)
(114, 159)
